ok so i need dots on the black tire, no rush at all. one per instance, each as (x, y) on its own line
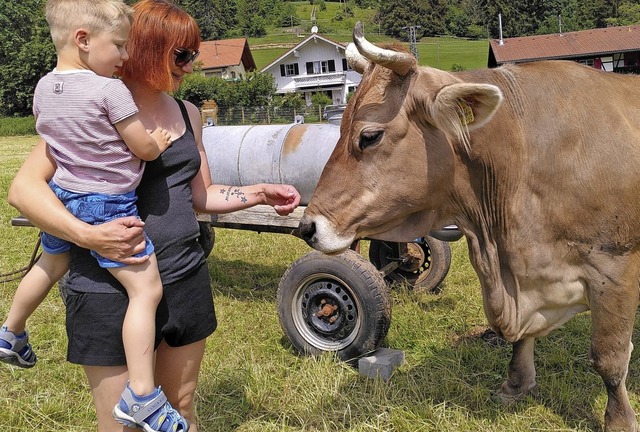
(334, 303)
(424, 272)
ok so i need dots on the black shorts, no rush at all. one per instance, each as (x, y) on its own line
(94, 320)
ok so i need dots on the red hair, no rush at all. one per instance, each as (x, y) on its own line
(158, 28)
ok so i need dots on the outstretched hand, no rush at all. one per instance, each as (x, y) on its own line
(283, 198)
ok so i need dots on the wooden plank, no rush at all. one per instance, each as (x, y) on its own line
(261, 218)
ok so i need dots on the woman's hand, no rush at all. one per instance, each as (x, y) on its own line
(118, 240)
(283, 198)
(31, 195)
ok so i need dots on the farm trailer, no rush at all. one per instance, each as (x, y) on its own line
(337, 303)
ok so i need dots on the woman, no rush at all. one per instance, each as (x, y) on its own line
(163, 43)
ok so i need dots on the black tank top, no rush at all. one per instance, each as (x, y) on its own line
(165, 204)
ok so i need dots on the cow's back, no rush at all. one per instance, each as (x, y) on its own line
(567, 140)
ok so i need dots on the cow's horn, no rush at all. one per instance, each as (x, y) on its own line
(399, 62)
(357, 61)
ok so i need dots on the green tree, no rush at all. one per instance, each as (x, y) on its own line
(287, 16)
(250, 22)
(196, 88)
(320, 99)
(215, 17)
(593, 13)
(26, 54)
(292, 101)
(396, 15)
(256, 90)
(628, 14)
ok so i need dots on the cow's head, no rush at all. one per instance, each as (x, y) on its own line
(393, 164)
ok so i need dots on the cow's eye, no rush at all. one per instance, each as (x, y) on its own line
(369, 138)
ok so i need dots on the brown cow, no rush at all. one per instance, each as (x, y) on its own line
(539, 166)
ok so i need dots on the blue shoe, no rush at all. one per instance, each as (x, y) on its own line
(15, 349)
(152, 413)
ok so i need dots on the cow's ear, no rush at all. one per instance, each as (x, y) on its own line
(459, 108)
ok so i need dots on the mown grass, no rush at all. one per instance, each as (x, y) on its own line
(251, 380)
(15, 126)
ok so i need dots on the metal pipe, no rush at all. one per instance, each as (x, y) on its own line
(292, 154)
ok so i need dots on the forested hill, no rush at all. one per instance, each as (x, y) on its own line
(26, 50)
(463, 18)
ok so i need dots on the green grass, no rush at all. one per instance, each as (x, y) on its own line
(12, 126)
(251, 381)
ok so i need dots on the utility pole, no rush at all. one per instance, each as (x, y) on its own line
(412, 40)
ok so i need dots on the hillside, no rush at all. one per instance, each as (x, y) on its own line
(440, 52)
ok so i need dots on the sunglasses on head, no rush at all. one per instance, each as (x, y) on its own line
(184, 56)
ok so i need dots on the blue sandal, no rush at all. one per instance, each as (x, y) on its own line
(152, 413)
(15, 349)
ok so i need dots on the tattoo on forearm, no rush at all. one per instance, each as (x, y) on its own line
(233, 191)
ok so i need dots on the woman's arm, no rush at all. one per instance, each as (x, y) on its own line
(30, 194)
(210, 198)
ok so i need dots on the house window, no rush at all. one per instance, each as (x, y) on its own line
(290, 69)
(587, 62)
(320, 67)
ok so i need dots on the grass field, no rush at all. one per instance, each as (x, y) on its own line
(252, 381)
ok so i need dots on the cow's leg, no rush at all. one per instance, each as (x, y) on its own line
(521, 376)
(612, 316)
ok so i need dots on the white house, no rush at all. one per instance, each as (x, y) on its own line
(315, 65)
(230, 59)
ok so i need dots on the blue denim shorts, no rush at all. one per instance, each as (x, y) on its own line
(94, 209)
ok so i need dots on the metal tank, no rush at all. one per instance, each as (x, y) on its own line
(291, 154)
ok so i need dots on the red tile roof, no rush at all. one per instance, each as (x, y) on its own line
(566, 45)
(226, 52)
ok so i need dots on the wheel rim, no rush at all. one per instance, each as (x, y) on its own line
(326, 312)
(415, 270)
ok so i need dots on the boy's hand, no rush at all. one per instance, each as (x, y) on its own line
(162, 137)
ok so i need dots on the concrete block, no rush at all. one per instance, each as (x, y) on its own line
(381, 363)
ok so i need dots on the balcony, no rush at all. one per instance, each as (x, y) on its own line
(632, 69)
(318, 80)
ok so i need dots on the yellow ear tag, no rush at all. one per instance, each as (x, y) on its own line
(465, 113)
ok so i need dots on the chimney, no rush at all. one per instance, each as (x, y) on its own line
(560, 23)
(500, 26)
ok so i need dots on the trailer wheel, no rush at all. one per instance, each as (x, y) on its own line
(426, 265)
(334, 303)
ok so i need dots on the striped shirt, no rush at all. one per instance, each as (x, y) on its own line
(75, 114)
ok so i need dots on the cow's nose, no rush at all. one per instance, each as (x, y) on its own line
(307, 229)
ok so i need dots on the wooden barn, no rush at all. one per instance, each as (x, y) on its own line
(613, 49)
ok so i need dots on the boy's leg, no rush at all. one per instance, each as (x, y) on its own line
(34, 287)
(144, 289)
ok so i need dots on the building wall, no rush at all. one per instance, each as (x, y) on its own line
(228, 72)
